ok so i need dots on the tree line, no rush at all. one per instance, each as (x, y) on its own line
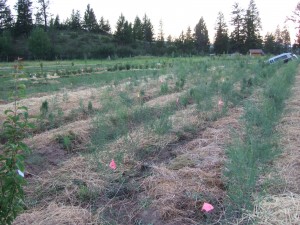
(41, 34)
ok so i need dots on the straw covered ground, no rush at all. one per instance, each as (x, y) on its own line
(167, 132)
(282, 204)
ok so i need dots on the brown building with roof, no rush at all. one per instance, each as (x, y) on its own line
(256, 52)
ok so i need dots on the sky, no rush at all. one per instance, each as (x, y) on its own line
(175, 15)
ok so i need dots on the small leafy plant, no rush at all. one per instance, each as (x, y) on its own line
(12, 158)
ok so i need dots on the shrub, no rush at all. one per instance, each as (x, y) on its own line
(12, 166)
(164, 88)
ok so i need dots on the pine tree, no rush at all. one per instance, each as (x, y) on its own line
(237, 36)
(179, 42)
(44, 11)
(5, 16)
(75, 21)
(269, 44)
(6, 45)
(188, 41)
(160, 37)
(221, 37)
(128, 37)
(23, 24)
(278, 41)
(137, 29)
(252, 26)
(119, 33)
(56, 23)
(104, 26)
(201, 37)
(148, 30)
(89, 20)
(296, 19)
(160, 42)
(286, 39)
(39, 43)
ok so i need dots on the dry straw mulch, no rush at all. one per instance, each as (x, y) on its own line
(62, 184)
(66, 100)
(80, 128)
(196, 170)
(278, 209)
(288, 164)
(283, 207)
(55, 214)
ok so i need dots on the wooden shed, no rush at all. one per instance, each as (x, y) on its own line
(256, 52)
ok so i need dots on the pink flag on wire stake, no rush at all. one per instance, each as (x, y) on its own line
(113, 165)
(220, 104)
(207, 207)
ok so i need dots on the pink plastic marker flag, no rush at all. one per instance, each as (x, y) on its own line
(220, 104)
(177, 100)
(113, 165)
(207, 207)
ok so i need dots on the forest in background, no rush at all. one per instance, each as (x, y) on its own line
(39, 36)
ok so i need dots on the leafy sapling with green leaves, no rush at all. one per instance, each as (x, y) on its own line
(12, 152)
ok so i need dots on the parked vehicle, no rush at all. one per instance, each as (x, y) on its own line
(284, 57)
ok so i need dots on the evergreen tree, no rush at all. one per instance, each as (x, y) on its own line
(38, 19)
(179, 42)
(188, 41)
(169, 39)
(89, 20)
(138, 29)
(39, 43)
(170, 47)
(286, 39)
(6, 45)
(119, 33)
(296, 19)
(75, 21)
(201, 37)
(269, 43)
(278, 41)
(56, 23)
(252, 26)
(44, 11)
(104, 26)
(148, 30)
(23, 24)
(124, 33)
(237, 36)
(160, 42)
(221, 37)
(160, 37)
(128, 37)
(5, 16)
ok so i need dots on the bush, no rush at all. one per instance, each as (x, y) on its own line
(251, 154)
(124, 51)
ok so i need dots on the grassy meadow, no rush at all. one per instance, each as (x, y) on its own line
(181, 131)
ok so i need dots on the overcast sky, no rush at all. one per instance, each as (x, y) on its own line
(177, 15)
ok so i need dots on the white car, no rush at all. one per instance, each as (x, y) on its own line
(284, 57)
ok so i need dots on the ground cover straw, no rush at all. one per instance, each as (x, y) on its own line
(123, 130)
(251, 153)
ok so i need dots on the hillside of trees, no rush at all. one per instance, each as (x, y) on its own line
(41, 36)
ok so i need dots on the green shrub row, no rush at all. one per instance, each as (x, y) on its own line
(251, 153)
